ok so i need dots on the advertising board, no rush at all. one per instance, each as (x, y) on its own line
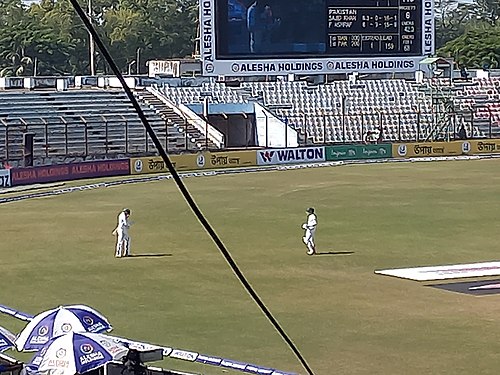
(484, 146)
(155, 164)
(291, 155)
(65, 172)
(5, 178)
(228, 159)
(356, 152)
(190, 162)
(429, 149)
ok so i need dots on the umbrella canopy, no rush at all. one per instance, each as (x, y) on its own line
(77, 352)
(7, 339)
(56, 322)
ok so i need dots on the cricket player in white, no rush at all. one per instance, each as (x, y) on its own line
(310, 228)
(121, 231)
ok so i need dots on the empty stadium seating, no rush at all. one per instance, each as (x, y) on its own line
(79, 123)
(182, 135)
(340, 111)
(345, 111)
(479, 100)
(97, 123)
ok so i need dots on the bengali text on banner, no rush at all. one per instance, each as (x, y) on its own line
(430, 149)
(155, 164)
(484, 146)
(189, 162)
(229, 159)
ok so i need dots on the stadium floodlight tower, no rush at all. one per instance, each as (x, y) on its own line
(91, 43)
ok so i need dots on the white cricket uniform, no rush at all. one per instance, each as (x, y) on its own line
(310, 228)
(123, 239)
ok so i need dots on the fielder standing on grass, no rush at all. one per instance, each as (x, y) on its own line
(121, 232)
(310, 229)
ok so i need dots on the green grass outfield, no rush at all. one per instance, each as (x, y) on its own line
(343, 317)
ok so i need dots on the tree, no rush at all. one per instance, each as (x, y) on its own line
(52, 33)
(487, 10)
(478, 47)
(67, 35)
(13, 38)
(160, 28)
(26, 39)
(452, 18)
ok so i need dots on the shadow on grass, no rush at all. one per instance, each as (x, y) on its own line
(335, 253)
(148, 255)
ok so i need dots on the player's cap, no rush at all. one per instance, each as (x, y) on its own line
(310, 210)
(126, 210)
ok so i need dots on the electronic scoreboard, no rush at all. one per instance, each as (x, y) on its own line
(276, 37)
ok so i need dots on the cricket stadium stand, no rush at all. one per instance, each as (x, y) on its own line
(84, 124)
(93, 123)
(343, 111)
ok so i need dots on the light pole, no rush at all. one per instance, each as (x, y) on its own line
(343, 109)
(137, 61)
(206, 113)
(91, 43)
(417, 109)
(130, 67)
(324, 126)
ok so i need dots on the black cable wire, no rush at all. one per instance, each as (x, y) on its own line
(187, 196)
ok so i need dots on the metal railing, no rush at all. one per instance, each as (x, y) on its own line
(412, 126)
(75, 136)
(105, 136)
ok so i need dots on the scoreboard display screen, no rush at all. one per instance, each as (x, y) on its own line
(251, 37)
(388, 27)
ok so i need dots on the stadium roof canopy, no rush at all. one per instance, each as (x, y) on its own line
(434, 60)
(438, 66)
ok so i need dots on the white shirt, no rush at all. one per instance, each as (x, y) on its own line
(252, 18)
(123, 223)
(311, 221)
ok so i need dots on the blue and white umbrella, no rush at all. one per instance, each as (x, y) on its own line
(76, 352)
(56, 322)
(7, 339)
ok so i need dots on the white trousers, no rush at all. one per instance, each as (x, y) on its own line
(122, 243)
(309, 239)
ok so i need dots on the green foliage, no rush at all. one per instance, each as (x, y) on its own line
(488, 10)
(451, 20)
(469, 32)
(479, 46)
(52, 33)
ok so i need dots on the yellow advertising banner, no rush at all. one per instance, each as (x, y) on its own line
(430, 149)
(190, 162)
(485, 146)
(228, 159)
(155, 164)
